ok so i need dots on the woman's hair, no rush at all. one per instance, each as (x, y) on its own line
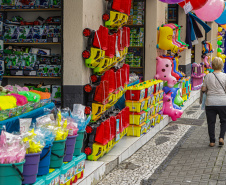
(217, 63)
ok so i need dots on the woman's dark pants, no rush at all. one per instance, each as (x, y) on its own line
(211, 114)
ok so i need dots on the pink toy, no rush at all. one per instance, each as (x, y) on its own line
(211, 11)
(168, 108)
(163, 71)
(10, 88)
(20, 100)
(197, 74)
(206, 62)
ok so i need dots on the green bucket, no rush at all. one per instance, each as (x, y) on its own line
(57, 154)
(11, 173)
(79, 143)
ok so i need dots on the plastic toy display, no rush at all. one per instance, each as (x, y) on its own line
(168, 107)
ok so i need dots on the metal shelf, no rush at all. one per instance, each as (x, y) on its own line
(31, 77)
(31, 10)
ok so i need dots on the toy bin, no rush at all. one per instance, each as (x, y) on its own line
(156, 107)
(67, 172)
(44, 163)
(135, 106)
(11, 174)
(134, 130)
(70, 147)
(31, 168)
(156, 118)
(40, 181)
(161, 95)
(53, 178)
(137, 118)
(79, 167)
(148, 102)
(136, 92)
(57, 154)
(149, 88)
(79, 143)
(148, 124)
(160, 106)
(150, 112)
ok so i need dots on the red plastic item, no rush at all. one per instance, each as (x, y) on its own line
(103, 133)
(101, 38)
(110, 77)
(195, 4)
(126, 37)
(133, 95)
(125, 117)
(127, 71)
(126, 6)
(113, 126)
(102, 92)
(116, 5)
(110, 52)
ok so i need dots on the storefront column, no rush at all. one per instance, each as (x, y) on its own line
(77, 15)
(212, 37)
(185, 60)
(155, 17)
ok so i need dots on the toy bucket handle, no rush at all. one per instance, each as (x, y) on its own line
(62, 155)
(45, 154)
(22, 177)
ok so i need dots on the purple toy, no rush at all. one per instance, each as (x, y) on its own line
(168, 107)
(171, 1)
(163, 71)
(197, 74)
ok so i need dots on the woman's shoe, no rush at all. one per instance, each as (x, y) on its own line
(221, 142)
(212, 144)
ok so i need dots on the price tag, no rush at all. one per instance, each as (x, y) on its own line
(188, 7)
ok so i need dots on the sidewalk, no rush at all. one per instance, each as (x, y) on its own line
(179, 154)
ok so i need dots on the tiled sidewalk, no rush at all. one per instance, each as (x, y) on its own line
(178, 155)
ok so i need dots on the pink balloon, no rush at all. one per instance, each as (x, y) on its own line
(171, 1)
(163, 71)
(168, 108)
(211, 11)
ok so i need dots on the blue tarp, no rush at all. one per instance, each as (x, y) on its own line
(12, 124)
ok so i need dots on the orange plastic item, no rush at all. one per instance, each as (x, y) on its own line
(43, 95)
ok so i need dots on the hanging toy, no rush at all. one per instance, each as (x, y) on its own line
(168, 108)
(163, 71)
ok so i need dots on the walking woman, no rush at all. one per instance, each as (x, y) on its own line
(215, 87)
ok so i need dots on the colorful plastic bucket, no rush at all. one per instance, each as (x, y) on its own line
(70, 147)
(79, 143)
(44, 163)
(11, 173)
(31, 168)
(53, 178)
(57, 154)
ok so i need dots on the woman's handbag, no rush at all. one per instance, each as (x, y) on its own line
(220, 82)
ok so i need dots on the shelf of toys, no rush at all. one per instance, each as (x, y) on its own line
(31, 46)
(136, 21)
(47, 151)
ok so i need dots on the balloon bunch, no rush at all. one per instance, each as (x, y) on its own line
(219, 43)
(207, 10)
(169, 38)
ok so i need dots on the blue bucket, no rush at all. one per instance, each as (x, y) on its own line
(44, 163)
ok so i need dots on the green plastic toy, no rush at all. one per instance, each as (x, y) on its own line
(31, 97)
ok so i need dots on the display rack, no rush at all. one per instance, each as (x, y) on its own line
(139, 69)
(56, 47)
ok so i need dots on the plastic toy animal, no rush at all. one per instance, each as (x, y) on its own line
(197, 75)
(165, 40)
(168, 108)
(163, 71)
(173, 95)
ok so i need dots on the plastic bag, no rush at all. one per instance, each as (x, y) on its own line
(203, 106)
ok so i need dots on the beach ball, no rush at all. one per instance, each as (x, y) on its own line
(224, 26)
(211, 10)
(196, 4)
(171, 1)
(222, 18)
